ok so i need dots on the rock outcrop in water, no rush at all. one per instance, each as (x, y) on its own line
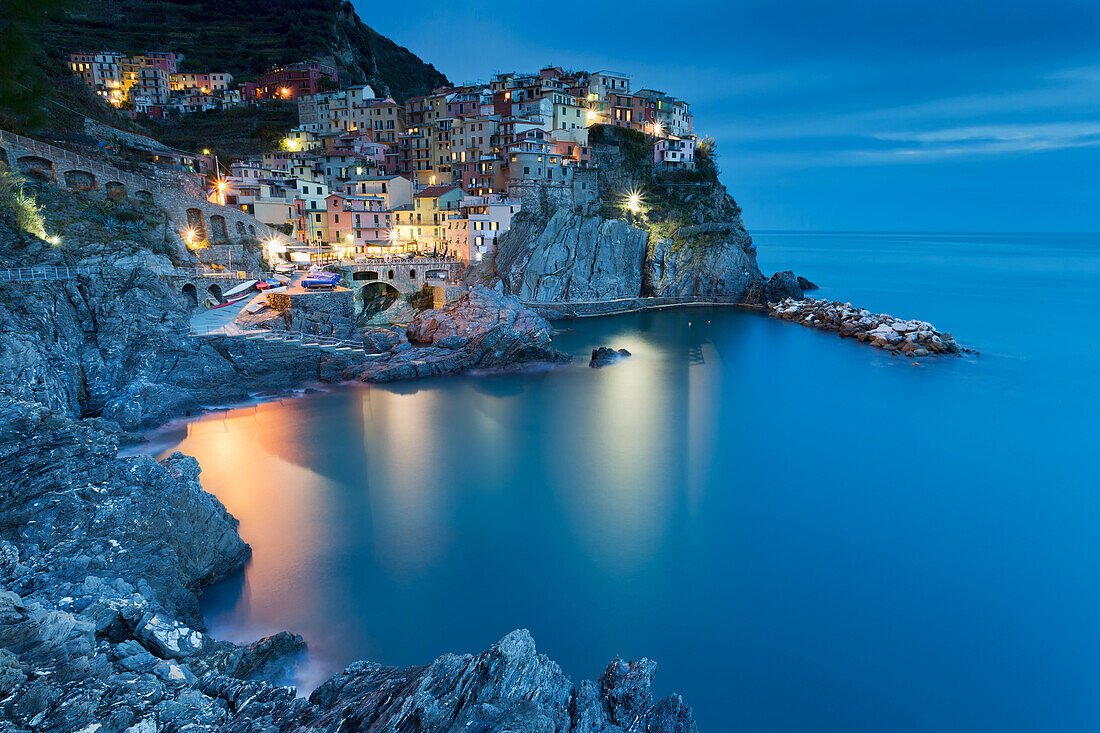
(605, 355)
(479, 330)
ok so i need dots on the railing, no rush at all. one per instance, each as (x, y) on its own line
(35, 274)
(217, 274)
(415, 261)
(41, 274)
(160, 178)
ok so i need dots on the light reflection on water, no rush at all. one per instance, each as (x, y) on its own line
(806, 533)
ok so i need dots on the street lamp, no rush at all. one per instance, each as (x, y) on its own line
(634, 201)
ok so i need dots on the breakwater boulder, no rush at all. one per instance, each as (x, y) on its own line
(908, 337)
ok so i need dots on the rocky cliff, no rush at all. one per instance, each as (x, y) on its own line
(686, 237)
(102, 556)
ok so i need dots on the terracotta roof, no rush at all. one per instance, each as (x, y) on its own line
(432, 192)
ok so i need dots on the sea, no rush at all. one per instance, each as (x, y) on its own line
(805, 533)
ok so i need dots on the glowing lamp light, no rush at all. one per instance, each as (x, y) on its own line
(634, 202)
(54, 240)
(285, 91)
(590, 115)
(189, 237)
(392, 236)
(657, 128)
(291, 145)
(206, 151)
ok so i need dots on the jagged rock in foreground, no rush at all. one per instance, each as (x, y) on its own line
(479, 330)
(101, 558)
(909, 337)
(509, 688)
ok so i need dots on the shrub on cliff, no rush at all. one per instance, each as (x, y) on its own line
(19, 205)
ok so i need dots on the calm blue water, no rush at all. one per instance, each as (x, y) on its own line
(805, 533)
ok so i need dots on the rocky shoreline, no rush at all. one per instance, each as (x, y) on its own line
(908, 337)
(103, 557)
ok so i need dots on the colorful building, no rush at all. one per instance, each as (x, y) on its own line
(296, 80)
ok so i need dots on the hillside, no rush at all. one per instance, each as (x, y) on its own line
(246, 37)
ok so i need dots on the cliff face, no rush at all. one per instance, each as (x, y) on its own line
(571, 256)
(688, 239)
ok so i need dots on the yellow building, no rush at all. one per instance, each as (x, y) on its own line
(424, 225)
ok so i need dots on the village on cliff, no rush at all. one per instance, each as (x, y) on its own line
(363, 176)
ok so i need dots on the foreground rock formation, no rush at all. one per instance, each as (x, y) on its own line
(101, 558)
(908, 337)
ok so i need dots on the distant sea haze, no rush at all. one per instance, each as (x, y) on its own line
(805, 532)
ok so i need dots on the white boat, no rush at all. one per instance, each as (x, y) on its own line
(256, 307)
(239, 289)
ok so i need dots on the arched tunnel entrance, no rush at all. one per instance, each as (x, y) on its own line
(374, 297)
(190, 295)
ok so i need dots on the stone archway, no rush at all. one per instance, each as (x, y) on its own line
(364, 275)
(4, 156)
(190, 295)
(218, 232)
(214, 291)
(80, 180)
(116, 191)
(251, 231)
(196, 224)
(144, 197)
(32, 165)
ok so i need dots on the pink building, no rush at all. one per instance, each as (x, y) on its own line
(674, 152)
(296, 80)
(359, 221)
(471, 233)
(167, 61)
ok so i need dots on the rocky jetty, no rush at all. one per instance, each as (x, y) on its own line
(908, 337)
(605, 355)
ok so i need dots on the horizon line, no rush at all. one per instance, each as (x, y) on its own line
(914, 232)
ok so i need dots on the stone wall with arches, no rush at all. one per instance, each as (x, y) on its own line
(181, 200)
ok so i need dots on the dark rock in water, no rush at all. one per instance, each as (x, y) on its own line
(606, 355)
(806, 284)
(783, 285)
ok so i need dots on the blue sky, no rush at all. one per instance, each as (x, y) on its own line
(843, 115)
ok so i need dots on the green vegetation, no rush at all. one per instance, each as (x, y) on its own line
(245, 38)
(232, 132)
(19, 205)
